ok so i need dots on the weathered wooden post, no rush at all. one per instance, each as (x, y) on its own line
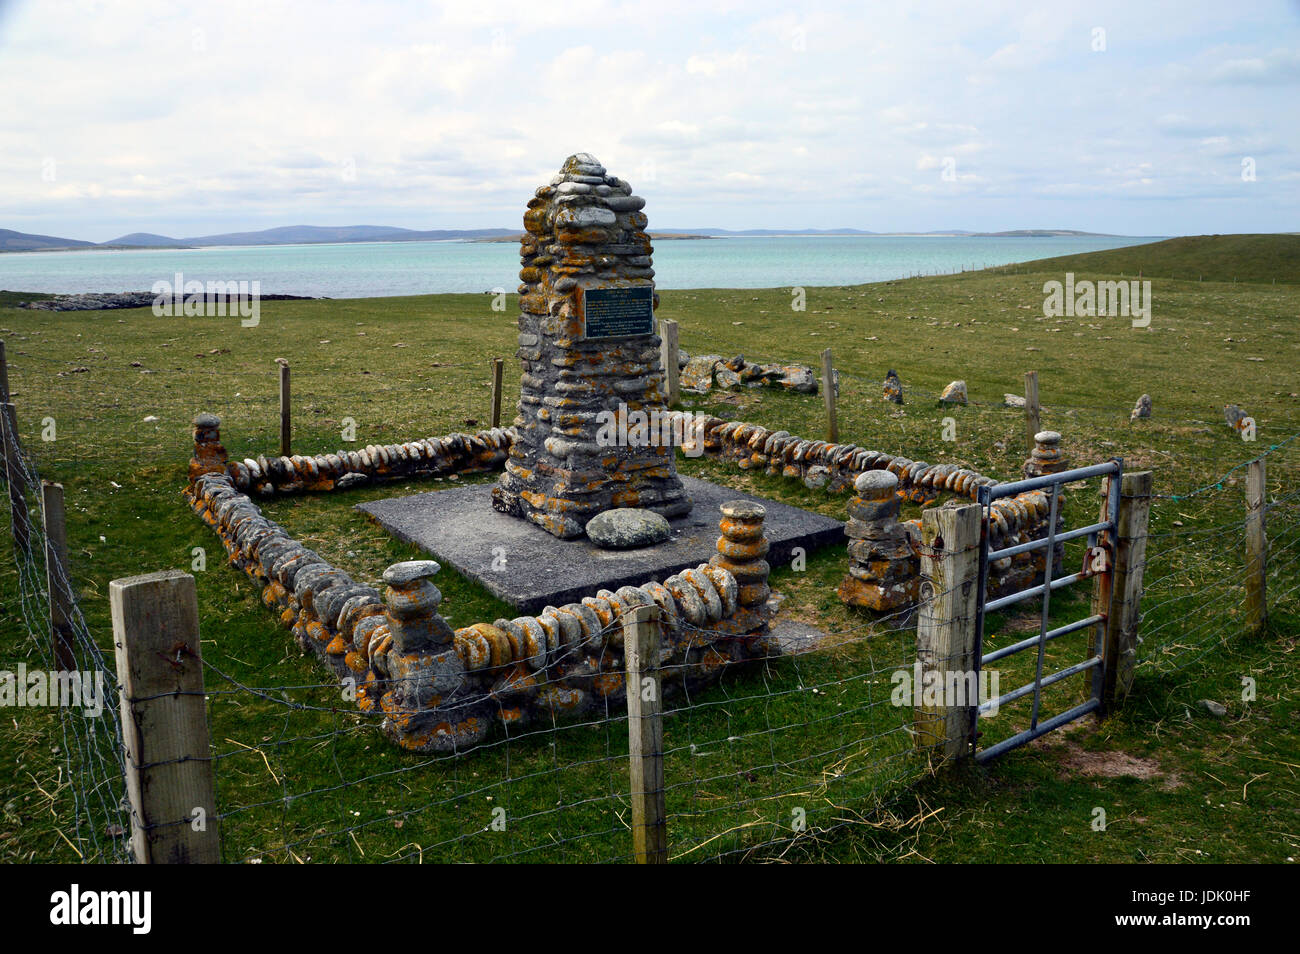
(4, 374)
(828, 390)
(58, 576)
(16, 478)
(1123, 590)
(286, 428)
(498, 366)
(1256, 549)
(169, 774)
(1031, 409)
(945, 629)
(645, 733)
(669, 355)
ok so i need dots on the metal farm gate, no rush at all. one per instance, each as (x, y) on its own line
(1098, 565)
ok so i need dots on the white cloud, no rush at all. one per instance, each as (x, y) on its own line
(751, 114)
(1278, 67)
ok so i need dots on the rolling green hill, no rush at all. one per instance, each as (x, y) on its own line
(1219, 258)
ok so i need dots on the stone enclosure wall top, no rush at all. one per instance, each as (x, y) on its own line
(585, 234)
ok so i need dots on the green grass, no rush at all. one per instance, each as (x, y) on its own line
(764, 742)
(1265, 258)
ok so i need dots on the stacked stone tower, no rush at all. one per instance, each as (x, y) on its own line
(590, 353)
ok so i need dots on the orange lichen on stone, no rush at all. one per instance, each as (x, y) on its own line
(608, 683)
(560, 699)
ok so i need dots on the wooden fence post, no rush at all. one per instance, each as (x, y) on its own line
(945, 627)
(1124, 592)
(645, 734)
(286, 429)
(16, 478)
(1256, 549)
(498, 365)
(58, 576)
(669, 355)
(1031, 409)
(169, 773)
(4, 374)
(828, 390)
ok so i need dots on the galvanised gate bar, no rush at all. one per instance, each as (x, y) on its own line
(1099, 561)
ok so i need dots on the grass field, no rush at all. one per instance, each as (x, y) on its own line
(1271, 259)
(122, 387)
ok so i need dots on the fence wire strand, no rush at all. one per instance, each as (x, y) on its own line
(776, 753)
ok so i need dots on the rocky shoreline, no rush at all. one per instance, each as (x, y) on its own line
(107, 301)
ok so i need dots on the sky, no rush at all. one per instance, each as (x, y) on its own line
(190, 118)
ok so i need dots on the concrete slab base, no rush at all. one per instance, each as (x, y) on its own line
(530, 569)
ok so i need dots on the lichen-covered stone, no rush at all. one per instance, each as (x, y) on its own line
(883, 569)
(893, 388)
(697, 376)
(209, 454)
(1235, 416)
(798, 378)
(563, 467)
(625, 528)
(954, 393)
(816, 477)
(1047, 456)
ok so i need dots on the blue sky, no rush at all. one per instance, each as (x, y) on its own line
(188, 118)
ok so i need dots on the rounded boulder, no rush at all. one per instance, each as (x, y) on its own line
(625, 528)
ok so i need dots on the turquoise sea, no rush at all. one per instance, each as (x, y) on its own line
(366, 270)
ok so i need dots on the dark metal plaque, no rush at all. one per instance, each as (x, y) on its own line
(618, 312)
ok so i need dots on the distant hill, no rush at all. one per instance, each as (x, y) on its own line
(307, 235)
(1213, 258)
(11, 241)
(146, 240)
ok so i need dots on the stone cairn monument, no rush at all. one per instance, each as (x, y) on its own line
(589, 344)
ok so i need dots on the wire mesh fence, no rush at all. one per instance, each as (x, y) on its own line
(1195, 582)
(791, 747)
(779, 748)
(80, 709)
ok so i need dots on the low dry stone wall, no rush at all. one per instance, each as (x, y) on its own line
(444, 690)
(482, 452)
(884, 574)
